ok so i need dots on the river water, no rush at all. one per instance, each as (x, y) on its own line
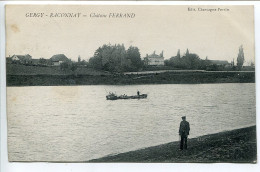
(77, 123)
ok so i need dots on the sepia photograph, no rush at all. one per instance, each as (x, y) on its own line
(131, 83)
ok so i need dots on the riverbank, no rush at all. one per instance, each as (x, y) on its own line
(236, 146)
(196, 77)
(18, 69)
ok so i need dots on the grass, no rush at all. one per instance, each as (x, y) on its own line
(21, 75)
(17, 69)
(236, 146)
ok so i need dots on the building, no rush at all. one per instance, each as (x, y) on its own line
(154, 59)
(58, 59)
(23, 59)
(57, 63)
(220, 63)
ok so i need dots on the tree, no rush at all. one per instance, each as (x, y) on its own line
(115, 58)
(133, 56)
(42, 61)
(187, 52)
(240, 58)
(178, 54)
(73, 66)
(64, 65)
(252, 64)
(206, 62)
(174, 61)
(191, 61)
(69, 65)
(95, 62)
(83, 63)
(49, 62)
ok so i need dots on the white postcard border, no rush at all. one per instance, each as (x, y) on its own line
(78, 167)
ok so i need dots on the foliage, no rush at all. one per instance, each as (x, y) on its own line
(187, 61)
(133, 56)
(178, 54)
(43, 61)
(64, 66)
(191, 61)
(95, 62)
(82, 63)
(240, 57)
(115, 58)
(68, 65)
(73, 66)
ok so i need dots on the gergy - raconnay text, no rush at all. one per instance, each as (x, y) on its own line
(79, 15)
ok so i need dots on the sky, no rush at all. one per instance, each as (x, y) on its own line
(216, 34)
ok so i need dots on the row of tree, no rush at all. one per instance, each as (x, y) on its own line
(193, 61)
(115, 58)
(187, 61)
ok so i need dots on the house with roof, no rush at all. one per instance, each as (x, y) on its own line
(24, 59)
(218, 65)
(58, 59)
(154, 59)
(220, 62)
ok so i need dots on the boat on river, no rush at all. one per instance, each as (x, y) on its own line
(113, 96)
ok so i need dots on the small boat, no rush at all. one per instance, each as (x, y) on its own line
(141, 96)
(113, 96)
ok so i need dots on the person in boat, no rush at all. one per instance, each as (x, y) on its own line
(184, 131)
(138, 93)
(111, 94)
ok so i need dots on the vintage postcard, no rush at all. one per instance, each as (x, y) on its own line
(122, 83)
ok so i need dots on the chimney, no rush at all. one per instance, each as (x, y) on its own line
(162, 54)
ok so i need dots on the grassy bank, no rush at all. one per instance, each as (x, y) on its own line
(230, 146)
(158, 78)
(22, 75)
(18, 69)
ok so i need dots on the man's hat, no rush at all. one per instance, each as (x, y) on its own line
(183, 117)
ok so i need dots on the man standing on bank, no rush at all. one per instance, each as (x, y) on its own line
(184, 132)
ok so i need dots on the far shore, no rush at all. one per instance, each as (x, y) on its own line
(22, 75)
(132, 79)
(235, 146)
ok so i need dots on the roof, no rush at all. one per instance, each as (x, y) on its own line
(23, 57)
(59, 57)
(154, 56)
(220, 62)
